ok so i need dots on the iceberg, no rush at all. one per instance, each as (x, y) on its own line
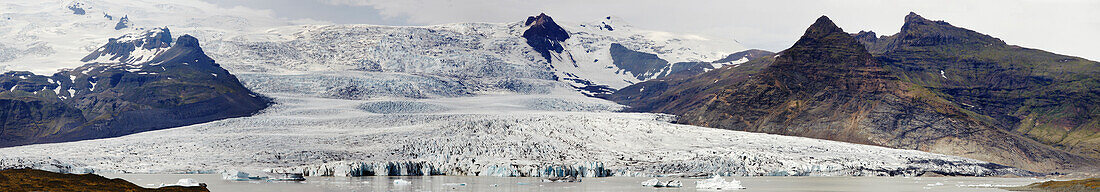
(657, 183)
(718, 183)
(186, 182)
(234, 175)
(401, 182)
(674, 184)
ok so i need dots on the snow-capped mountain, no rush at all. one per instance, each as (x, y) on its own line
(43, 36)
(610, 52)
(134, 83)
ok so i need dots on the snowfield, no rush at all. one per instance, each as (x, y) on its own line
(485, 55)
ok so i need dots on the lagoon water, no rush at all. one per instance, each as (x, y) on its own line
(455, 183)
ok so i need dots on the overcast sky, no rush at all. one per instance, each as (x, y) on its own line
(1069, 27)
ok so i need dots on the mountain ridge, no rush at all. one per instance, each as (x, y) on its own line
(1044, 96)
(829, 86)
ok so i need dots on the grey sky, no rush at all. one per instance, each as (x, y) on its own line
(1062, 26)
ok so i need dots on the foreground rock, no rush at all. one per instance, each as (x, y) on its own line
(15, 180)
(1092, 184)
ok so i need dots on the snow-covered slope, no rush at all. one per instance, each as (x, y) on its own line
(477, 53)
(590, 58)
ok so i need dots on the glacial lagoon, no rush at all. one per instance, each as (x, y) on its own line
(470, 183)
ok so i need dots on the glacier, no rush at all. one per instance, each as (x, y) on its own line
(455, 99)
(486, 135)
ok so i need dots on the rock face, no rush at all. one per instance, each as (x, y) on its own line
(642, 65)
(177, 86)
(77, 8)
(544, 35)
(1047, 97)
(735, 59)
(829, 86)
(123, 22)
(646, 66)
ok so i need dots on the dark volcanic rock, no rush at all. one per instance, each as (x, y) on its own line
(180, 86)
(544, 35)
(77, 8)
(828, 86)
(642, 65)
(38, 180)
(123, 22)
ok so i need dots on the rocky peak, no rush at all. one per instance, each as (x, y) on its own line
(913, 17)
(918, 31)
(154, 38)
(544, 35)
(826, 43)
(915, 22)
(868, 36)
(123, 22)
(187, 41)
(132, 48)
(186, 50)
(822, 27)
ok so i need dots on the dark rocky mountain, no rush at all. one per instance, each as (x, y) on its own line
(544, 35)
(123, 22)
(641, 65)
(828, 86)
(179, 86)
(1051, 98)
(77, 8)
